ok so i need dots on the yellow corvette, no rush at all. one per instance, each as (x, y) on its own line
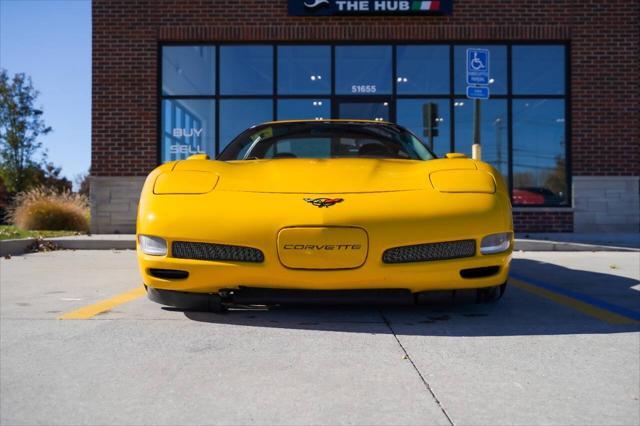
(322, 211)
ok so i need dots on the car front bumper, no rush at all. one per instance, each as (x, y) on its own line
(213, 276)
(389, 220)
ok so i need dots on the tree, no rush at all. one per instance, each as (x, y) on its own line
(83, 182)
(50, 178)
(21, 124)
(556, 179)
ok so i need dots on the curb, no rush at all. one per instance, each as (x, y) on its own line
(15, 247)
(545, 245)
(70, 243)
(18, 247)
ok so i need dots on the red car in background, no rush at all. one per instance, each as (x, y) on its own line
(535, 196)
(523, 197)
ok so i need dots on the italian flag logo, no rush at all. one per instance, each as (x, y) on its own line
(425, 5)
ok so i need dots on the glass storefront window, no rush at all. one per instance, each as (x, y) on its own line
(378, 111)
(188, 127)
(494, 127)
(246, 70)
(304, 109)
(539, 164)
(236, 115)
(538, 70)
(369, 85)
(410, 115)
(422, 70)
(363, 70)
(188, 70)
(497, 68)
(304, 70)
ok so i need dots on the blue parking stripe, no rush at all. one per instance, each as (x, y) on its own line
(578, 296)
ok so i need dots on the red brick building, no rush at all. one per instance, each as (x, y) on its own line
(562, 122)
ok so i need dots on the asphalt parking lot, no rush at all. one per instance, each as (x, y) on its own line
(561, 347)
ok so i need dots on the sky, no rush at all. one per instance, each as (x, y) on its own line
(50, 40)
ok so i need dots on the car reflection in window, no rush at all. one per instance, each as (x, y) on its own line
(535, 196)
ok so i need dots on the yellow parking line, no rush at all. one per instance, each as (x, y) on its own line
(103, 306)
(585, 308)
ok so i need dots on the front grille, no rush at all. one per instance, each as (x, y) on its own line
(430, 252)
(208, 251)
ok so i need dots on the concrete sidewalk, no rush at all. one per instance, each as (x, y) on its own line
(524, 242)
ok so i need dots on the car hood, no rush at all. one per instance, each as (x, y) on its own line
(324, 176)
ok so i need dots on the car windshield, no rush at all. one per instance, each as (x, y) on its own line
(326, 140)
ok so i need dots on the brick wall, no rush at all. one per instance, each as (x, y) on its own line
(604, 44)
(543, 221)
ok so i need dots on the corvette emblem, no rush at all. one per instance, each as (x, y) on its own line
(323, 202)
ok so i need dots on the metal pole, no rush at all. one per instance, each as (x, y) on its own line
(476, 153)
(498, 125)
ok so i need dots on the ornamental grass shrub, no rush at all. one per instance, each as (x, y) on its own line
(42, 209)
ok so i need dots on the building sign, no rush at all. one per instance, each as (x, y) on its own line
(369, 7)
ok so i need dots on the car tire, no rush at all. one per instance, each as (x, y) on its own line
(490, 294)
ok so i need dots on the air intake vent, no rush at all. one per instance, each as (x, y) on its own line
(168, 274)
(207, 251)
(486, 271)
(430, 252)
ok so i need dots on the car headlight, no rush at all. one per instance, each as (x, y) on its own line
(495, 243)
(182, 182)
(463, 181)
(155, 246)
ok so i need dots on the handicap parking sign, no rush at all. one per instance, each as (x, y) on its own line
(478, 66)
(478, 92)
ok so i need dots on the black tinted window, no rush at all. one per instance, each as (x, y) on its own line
(325, 140)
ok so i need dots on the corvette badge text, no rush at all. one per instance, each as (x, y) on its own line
(322, 247)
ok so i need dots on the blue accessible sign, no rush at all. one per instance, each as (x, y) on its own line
(478, 66)
(478, 92)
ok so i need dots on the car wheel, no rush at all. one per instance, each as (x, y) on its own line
(490, 294)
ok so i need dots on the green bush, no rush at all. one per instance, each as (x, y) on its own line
(44, 209)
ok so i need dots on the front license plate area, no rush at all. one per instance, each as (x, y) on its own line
(323, 247)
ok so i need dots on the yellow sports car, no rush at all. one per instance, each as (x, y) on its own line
(322, 211)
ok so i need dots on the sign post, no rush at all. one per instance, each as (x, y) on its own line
(477, 89)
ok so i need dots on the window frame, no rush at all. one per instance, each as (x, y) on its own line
(335, 98)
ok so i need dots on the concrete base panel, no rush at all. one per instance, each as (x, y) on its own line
(606, 203)
(114, 203)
